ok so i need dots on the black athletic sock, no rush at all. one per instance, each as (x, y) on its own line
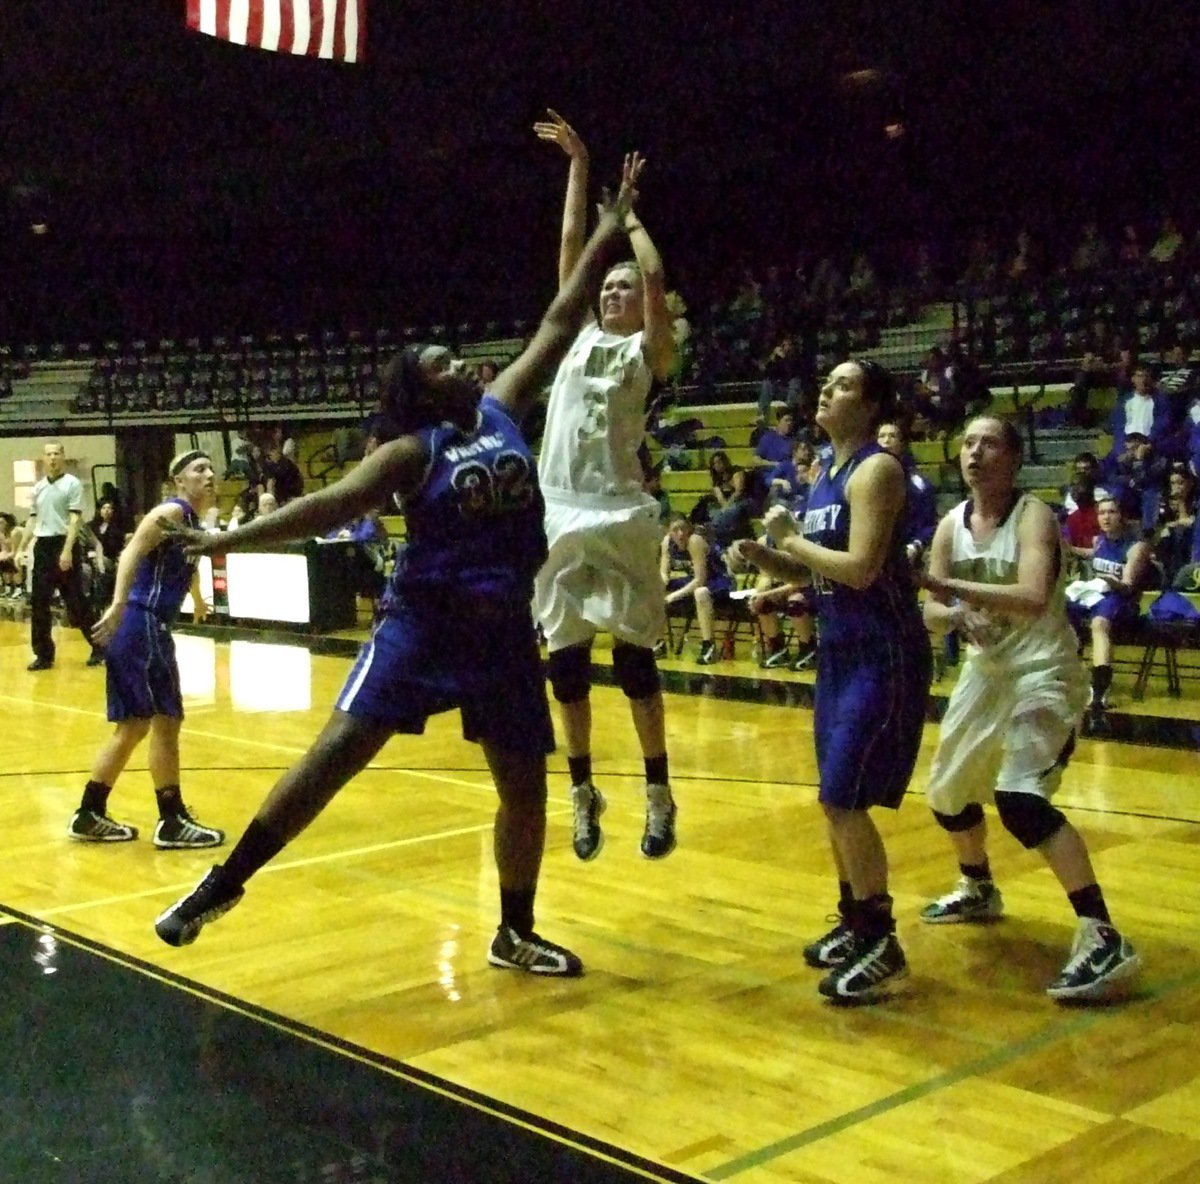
(845, 897)
(875, 917)
(95, 797)
(1089, 902)
(656, 770)
(581, 768)
(256, 847)
(516, 909)
(1101, 681)
(170, 801)
(976, 871)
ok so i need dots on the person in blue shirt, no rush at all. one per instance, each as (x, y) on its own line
(1122, 561)
(920, 504)
(153, 578)
(456, 629)
(775, 444)
(873, 664)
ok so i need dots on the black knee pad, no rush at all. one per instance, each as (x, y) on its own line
(970, 816)
(635, 670)
(571, 673)
(1029, 819)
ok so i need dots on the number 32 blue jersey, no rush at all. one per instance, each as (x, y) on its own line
(475, 526)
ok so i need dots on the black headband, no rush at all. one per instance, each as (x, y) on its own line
(181, 462)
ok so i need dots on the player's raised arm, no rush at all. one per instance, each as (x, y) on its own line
(556, 130)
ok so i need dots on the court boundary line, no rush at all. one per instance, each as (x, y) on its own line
(442, 1087)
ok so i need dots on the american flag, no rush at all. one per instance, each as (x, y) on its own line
(319, 28)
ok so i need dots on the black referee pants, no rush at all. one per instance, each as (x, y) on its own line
(47, 576)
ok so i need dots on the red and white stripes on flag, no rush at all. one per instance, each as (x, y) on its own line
(319, 28)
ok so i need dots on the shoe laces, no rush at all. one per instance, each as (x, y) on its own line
(1089, 938)
(658, 810)
(583, 801)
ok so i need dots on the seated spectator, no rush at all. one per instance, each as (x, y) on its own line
(1082, 523)
(282, 475)
(652, 484)
(693, 572)
(920, 510)
(728, 485)
(1023, 266)
(9, 571)
(1179, 381)
(1120, 568)
(1144, 411)
(936, 403)
(1130, 250)
(775, 444)
(1137, 479)
(1104, 365)
(1174, 547)
(789, 481)
(1092, 252)
(268, 503)
(768, 602)
(1085, 469)
(781, 380)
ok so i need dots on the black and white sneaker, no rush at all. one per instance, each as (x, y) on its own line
(970, 900)
(708, 654)
(805, 659)
(779, 658)
(511, 951)
(830, 949)
(660, 648)
(89, 827)
(871, 971)
(1099, 956)
(587, 804)
(180, 925)
(181, 831)
(658, 838)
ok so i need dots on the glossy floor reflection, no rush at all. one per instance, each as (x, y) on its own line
(116, 1073)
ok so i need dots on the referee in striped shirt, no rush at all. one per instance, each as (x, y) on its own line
(55, 516)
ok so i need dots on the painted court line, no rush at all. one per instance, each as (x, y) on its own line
(1006, 1055)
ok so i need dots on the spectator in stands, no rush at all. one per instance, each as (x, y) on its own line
(728, 483)
(1143, 411)
(1092, 253)
(9, 577)
(862, 283)
(1023, 266)
(775, 444)
(110, 540)
(281, 474)
(1120, 567)
(782, 379)
(268, 503)
(654, 487)
(920, 509)
(1082, 523)
(1130, 250)
(1085, 469)
(1179, 381)
(1137, 479)
(1174, 546)
(694, 573)
(1168, 244)
(935, 402)
(1096, 372)
(789, 481)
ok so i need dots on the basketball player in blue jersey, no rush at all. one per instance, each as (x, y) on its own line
(468, 485)
(874, 666)
(997, 574)
(1122, 561)
(153, 577)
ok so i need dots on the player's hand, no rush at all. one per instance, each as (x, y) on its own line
(780, 523)
(194, 542)
(105, 628)
(1114, 584)
(736, 559)
(201, 610)
(556, 130)
(66, 561)
(631, 171)
(978, 626)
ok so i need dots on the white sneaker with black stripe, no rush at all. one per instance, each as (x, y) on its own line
(89, 827)
(511, 951)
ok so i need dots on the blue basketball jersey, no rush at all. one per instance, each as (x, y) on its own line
(475, 526)
(162, 579)
(1111, 556)
(888, 606)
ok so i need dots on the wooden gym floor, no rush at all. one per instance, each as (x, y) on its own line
(342, 1024)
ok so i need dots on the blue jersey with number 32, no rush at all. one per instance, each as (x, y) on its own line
(475, 527)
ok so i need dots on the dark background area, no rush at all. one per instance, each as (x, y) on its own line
(193, 186)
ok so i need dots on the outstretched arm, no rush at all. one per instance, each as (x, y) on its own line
(520, 383)
(659, 343)
(557, 130)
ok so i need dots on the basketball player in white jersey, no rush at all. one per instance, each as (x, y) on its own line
(603, 529)
(996, 574)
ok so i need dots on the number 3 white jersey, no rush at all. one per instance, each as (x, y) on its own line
(596, 419)
(1023, 642)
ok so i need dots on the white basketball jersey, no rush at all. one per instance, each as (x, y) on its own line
(1024, 641)
(596, 418)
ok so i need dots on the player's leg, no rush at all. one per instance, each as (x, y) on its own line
(91, 822)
